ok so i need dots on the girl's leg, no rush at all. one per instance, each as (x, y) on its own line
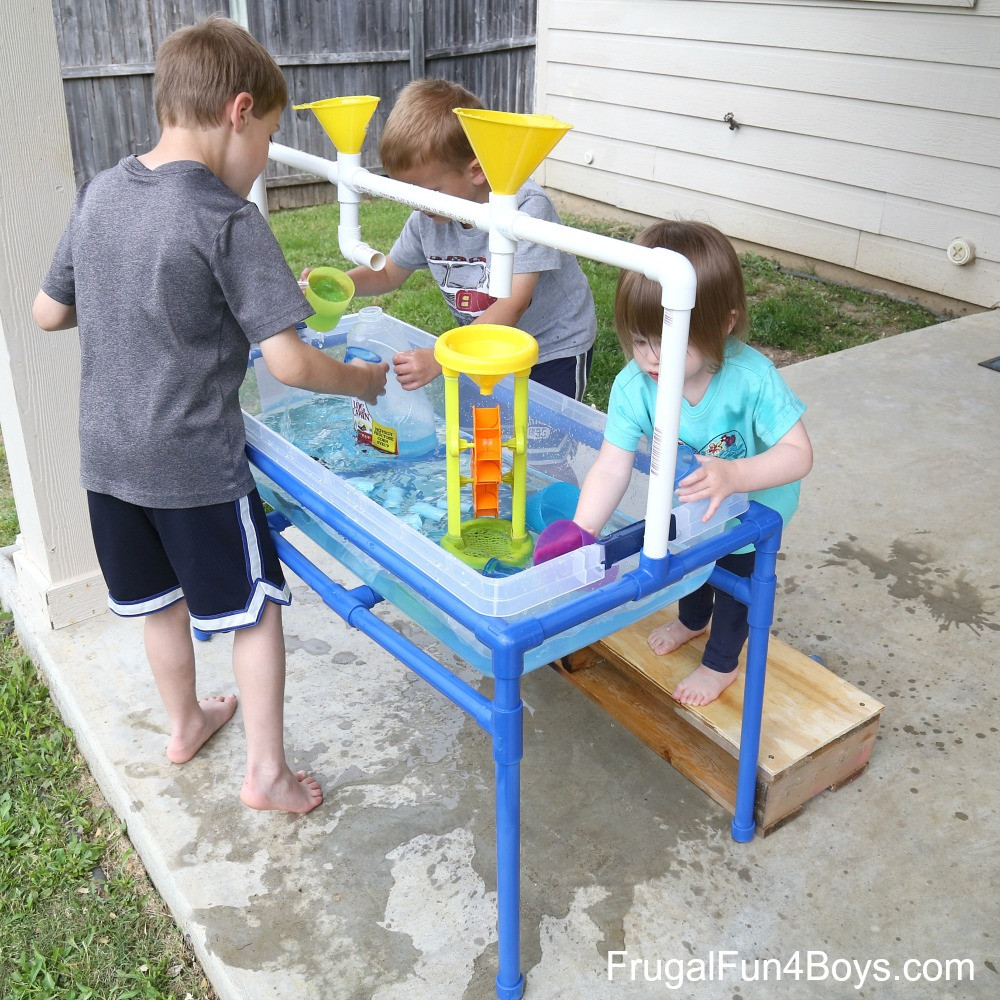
(170, 652)
(259, 665)
(729, 634)
(694, 614)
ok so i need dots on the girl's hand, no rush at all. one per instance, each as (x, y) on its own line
(714, 479)
(414, 369)
(306, 271)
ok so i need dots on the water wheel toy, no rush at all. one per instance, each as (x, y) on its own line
(487, 353)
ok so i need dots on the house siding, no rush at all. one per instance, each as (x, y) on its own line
(868, 132)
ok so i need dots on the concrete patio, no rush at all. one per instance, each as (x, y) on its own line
(889, 573)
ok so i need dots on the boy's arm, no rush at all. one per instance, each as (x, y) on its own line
(418, 367)
(603, 487)
(368, 282)
(296, 363)
(52, 315)
(508, 312)
(787, 461)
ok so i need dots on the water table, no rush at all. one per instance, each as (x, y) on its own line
(386, 525)
(382, 517)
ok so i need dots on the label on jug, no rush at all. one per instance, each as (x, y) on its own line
(384, 438)
(370, 433)
(362, 421)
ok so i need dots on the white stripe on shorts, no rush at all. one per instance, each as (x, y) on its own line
(137, 608)
(256, 566)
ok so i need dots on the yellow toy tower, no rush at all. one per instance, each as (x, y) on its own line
(487, 353)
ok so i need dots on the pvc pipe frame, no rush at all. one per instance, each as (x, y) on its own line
(505, 225)
(502, 717)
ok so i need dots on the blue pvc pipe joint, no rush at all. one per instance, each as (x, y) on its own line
(514, 992)
(508, 734)
(651, 574)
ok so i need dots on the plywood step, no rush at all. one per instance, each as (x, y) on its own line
(818, 730)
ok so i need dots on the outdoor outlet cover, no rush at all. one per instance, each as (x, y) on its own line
(961, 252)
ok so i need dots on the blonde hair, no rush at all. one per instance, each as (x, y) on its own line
(200, 68)
(422, 127)
(720, 308)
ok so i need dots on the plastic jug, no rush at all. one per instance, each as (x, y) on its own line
(402, 422)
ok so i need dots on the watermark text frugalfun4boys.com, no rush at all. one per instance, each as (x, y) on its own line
(801, 966)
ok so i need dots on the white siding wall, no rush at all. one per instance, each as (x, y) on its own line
(869, 133)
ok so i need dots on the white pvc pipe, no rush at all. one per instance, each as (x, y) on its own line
(503, 207)
(666, 432)
(258, 195)
(671, 270)
(349, 230)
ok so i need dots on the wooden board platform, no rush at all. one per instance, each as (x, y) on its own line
(818, 730)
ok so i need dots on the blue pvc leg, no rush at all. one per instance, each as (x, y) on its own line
(507, 752)
(760, 614)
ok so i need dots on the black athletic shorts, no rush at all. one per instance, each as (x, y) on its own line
(219, 558)
(566, 375)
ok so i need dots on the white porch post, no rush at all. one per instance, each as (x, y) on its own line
(39, 372)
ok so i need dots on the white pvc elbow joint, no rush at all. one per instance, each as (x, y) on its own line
(349, 230)
(675, 273)
(356, 250)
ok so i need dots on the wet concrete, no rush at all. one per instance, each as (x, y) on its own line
(889, 572)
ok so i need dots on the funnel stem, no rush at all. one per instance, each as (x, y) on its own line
(503, 207)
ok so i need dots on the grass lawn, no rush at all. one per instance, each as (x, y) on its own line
(79, 920)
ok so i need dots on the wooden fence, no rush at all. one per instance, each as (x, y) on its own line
(326, 49)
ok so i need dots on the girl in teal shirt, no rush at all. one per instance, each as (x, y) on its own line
(737, 414)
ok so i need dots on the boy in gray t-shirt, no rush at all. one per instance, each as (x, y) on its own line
(423, 143)
(170, 275)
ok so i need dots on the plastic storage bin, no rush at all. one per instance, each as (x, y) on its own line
(564, 438)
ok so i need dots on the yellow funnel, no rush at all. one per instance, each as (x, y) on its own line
(344, 118)
(486, 352)
(510, 146)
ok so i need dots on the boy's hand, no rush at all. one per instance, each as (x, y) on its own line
(414, 369)
(376, 373)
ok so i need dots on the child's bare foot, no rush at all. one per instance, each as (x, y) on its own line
(703, 686)
(667, 638)
(295, 793)
(215, 713)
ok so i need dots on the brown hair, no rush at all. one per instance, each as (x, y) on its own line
(422, 127)
(720, 292)
(200, 68)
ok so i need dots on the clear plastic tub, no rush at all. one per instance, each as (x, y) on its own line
(564, 437)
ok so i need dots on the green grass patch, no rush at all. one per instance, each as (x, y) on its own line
(79, 920)
(810, 318)
(308, 237)
(8, 512)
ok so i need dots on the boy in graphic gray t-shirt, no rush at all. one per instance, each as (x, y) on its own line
(423, 143)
